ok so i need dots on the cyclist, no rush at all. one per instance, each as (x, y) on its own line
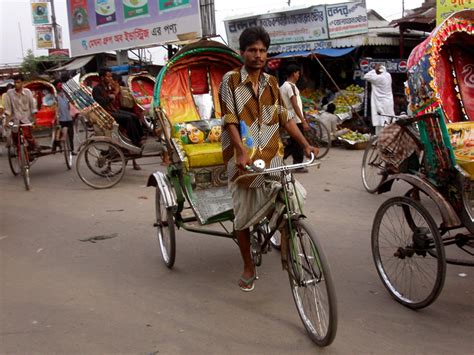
(20, 107)
(253, 112)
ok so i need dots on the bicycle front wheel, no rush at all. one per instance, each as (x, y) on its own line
(67, 153)
(372, 167)
(13, 160)
(311, 285)
(25, 166)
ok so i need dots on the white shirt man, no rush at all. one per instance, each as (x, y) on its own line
(382, 96)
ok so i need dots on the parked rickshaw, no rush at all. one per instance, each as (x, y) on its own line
(141, 86)
(104, 155)
(49, 138)
(186, 102)
(408, 237)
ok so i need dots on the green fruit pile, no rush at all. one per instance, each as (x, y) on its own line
(354, 136)
(355, 88)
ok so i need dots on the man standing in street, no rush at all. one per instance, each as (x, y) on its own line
(20, 107)
(64, 115)
(292, 100)
(252, 114)
(382, 96)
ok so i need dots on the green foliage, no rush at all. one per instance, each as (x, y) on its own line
(29, 66)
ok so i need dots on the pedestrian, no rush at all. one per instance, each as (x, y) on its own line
(105, 96)
(20, 107)
(252, 114)
(292, 100)
(64, 115)
(381, 99)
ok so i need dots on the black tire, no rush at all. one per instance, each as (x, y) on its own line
(372, 167)
(100, 165)
(66, 146)
(81, 131)
(13, 160)
(25, 166)
(312, 286)
(402, 255)
(165, 231)
(319, 136)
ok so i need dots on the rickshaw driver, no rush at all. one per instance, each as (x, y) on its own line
(252, 114)
(20, 107)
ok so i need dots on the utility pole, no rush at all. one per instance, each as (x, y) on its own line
(403, 8)
(21, 41)
(55, 25)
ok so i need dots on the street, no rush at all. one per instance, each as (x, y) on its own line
(63, 292)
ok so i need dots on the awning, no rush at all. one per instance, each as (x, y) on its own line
(75, 64)
(333, 52)
(292, 54)
(329, 52)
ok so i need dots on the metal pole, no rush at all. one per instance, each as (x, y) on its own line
(21, 41)
(55, 25)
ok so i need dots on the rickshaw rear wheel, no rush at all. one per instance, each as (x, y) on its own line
(311, 284)
(165, 230)
(319, 136)
(100, 164)
(13, 160)
(372, 167)
(402, 249)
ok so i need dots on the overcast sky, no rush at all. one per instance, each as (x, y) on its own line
(15, 17)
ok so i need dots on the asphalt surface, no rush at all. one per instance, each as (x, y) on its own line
(60, 293)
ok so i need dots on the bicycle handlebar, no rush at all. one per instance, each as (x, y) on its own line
(258, 167)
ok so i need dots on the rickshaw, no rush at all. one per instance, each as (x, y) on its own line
(186, 102)
(50, 138)
(103, 157)
(141, 86)
(410, 232)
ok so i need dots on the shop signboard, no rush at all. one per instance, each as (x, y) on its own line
(44, 37)
(347, 19)
(393, 65)
(104, 25)
(303, 25)
(444, 8)
(39, 13)
(59, 52)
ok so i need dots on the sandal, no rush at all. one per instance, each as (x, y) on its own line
(248, 284)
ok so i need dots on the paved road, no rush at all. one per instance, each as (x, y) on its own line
(62, 295)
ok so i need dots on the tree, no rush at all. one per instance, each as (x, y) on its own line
(29, 66)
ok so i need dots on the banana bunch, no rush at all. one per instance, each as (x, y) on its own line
(355, 88)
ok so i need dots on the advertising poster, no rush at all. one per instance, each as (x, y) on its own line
(444, 8)
(105, 12)
(97, 26)
(44, 37)
(295, 26)
(79, 15)
(39, 11)
(347, 19)
(135, 8)
(169, 5)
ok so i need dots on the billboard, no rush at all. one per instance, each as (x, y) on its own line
(103, 25)
(302, 25)
(444, 8)
(44, 37)
(347, 19)
(39, 13)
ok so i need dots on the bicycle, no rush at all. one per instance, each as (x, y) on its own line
(308, 270)
(20, 158)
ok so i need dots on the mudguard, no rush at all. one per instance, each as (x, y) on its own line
(161, 182)
(449, 215)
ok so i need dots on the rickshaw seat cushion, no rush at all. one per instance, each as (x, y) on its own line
(45, 117)
(204, 154)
